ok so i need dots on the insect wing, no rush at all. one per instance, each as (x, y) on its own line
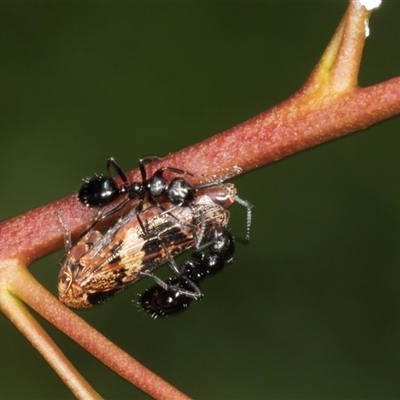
(114, 261)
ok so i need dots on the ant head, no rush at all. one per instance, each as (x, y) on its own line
(222, 243)
(99, 191)
(180, 192)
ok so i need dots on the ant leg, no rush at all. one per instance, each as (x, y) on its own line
(141, 165)
(138, 210)
(156, 279)
(196, 294)
(111, 162)
(208, 184)
(97, 218)
(149, 158)
(231, 193)
(161, 170)
(199, 239)
(113, 211)
(101, 215)
(119, 207)
(168, 213)
(171, 261)
(248, 206)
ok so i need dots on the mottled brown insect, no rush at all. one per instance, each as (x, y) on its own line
(99, 266)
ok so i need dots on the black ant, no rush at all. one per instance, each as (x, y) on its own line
(176, 294)
(100, 191)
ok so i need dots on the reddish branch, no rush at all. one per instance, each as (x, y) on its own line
(329, 105)
(285, 129)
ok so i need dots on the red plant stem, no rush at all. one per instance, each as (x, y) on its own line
(23, 285)
(268, 137)
(287, 129)
(328, 106)
(19, 315)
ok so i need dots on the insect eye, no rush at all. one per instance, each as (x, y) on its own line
(64, 279)
(64, 283)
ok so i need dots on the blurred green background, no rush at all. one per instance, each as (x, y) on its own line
(310, 309)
